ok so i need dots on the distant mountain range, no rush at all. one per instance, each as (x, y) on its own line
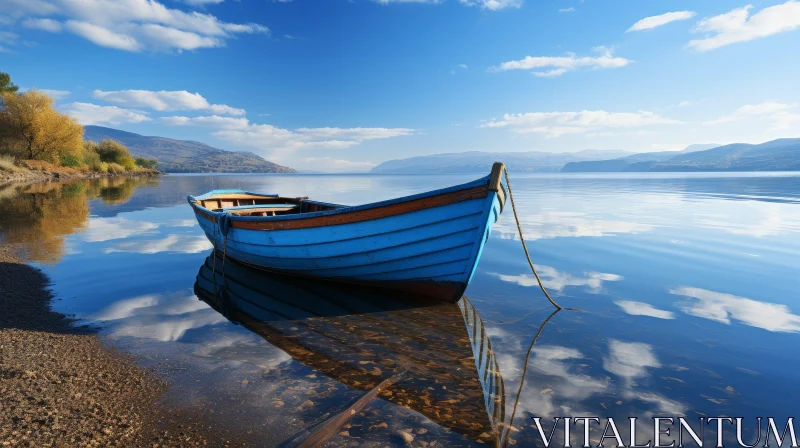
(776, 155)
(184, 156)
(477, 161)
(629, 163)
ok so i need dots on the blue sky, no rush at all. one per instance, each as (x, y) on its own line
(341, 85)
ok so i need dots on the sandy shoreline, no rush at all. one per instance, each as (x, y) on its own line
(59, 386)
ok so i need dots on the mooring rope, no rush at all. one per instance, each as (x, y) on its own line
(223, 225)
(214, 262)
(507, 433)
(224, 255)
(525, 246)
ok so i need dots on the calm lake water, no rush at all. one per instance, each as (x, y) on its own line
(687, 285)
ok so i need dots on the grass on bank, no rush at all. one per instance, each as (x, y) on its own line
(9, 163)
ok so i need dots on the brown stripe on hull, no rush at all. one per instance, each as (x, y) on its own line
(445, 291)
(366, 215)
(205, 215)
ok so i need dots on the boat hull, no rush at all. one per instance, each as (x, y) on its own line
(427, 244)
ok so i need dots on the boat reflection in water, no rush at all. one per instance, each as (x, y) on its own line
(436, 355)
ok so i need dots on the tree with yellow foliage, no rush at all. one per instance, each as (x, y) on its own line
(30, 128)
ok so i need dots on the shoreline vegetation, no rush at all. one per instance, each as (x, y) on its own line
(38, 143)
(36, 171)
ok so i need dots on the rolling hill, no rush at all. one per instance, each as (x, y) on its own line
(477, 161)
(185, 156)
(634, 162)
(776, 155)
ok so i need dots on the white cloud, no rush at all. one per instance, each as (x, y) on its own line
(564, 224)
(169, 327)
(50, 25)
(103, 36)
(187, 244)
(105, 229)
(357, 134)
(552, 360)
(630, 360)
(126, 308)
(182, 223)
(214, 121)
(163, 37)
(386, 2)
(329, 164)
(643, 309)
(131, 25)
(55, 94)
(87, 113)
(241, 131)
(783, 116)
(556, 124)
(493, 5)
(268, 137)
(202, 2)
(17, 8)
(721, 307)
(165, 100)
(738, 26)
(754, 219)
(559, 65)
(556, 280)
(648, 23)
(8, 38)
(464, 66)
(570, 9)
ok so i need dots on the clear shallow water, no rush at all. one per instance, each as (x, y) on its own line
(687, 285)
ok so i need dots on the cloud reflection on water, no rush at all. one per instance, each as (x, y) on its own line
(187, 244)
(159, 317)
(556, 280)
(721, 307)
(105, 229)
(559, 224)
(643, 309)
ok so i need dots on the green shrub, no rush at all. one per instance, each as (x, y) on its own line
(150, 164)
(115, 168)
(70, 160)
(129, 164)
(100, 167)
(111, 151)
(90, 155)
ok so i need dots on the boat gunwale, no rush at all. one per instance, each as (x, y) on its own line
(484, 181)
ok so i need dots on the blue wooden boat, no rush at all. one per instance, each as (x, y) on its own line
(427, 243)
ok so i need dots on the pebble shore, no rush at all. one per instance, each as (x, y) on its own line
(61, 387)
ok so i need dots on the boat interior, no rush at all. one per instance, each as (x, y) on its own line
(246, 204)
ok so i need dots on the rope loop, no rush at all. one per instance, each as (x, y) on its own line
(224, 223)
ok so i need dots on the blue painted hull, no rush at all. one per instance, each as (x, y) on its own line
(428, 244)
